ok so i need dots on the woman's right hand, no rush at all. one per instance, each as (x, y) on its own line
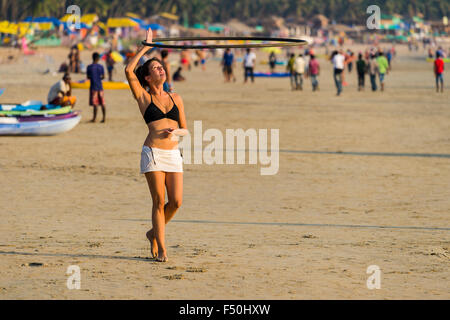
(149, 36)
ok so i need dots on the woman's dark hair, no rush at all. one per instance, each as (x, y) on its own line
(144, 70)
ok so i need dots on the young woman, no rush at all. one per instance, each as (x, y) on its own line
(161, 160)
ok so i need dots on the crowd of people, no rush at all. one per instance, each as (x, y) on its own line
(373, 62)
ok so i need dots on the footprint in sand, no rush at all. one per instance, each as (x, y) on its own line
(174, 277)
(198, 252)
(192, 269)
(35, 264)
(440, 252)
(175, 268)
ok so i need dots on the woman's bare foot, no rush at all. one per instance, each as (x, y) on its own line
(162, 257)
(153, 244)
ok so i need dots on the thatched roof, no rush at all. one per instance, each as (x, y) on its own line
(236, 26)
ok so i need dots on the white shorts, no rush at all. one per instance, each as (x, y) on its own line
(154, 159)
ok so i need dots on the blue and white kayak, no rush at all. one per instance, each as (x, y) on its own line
(32, 107)
(13, 127)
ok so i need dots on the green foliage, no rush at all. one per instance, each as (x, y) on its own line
(200, 11)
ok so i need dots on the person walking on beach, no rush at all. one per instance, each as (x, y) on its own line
(314, 71)
(383, 68)
(272, 61)
(439, 71)
(350, 60)
(95, 73)
(249, 65)
(338, 60)
(201, 54)
(290, 69)
(60, 93)
(110, 64)
(389, 58)
(161, 160)
(299, 70)
(227, 63)
(373, 71)
(361, 68)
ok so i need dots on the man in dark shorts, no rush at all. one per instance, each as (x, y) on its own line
(361, 67)
(95, 73)
(227, 62)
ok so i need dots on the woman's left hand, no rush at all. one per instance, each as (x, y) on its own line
(168, 131)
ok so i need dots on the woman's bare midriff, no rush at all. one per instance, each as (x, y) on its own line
(157, 138)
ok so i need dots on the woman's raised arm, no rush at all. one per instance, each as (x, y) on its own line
(135, 86)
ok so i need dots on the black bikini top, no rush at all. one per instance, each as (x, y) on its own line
(153, 113)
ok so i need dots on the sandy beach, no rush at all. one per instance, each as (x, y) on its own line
(363, 179)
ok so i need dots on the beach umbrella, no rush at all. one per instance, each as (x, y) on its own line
(121, 22)
(145, 26)
(154, 26)
(89, 18)
(132, 15)
(53, 20)
(138, 20)
(169, 16)
(8, 27)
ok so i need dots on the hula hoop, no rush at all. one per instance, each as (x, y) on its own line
(282, 42)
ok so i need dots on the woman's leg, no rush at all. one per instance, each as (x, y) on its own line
(156, 184)
(174, 185)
